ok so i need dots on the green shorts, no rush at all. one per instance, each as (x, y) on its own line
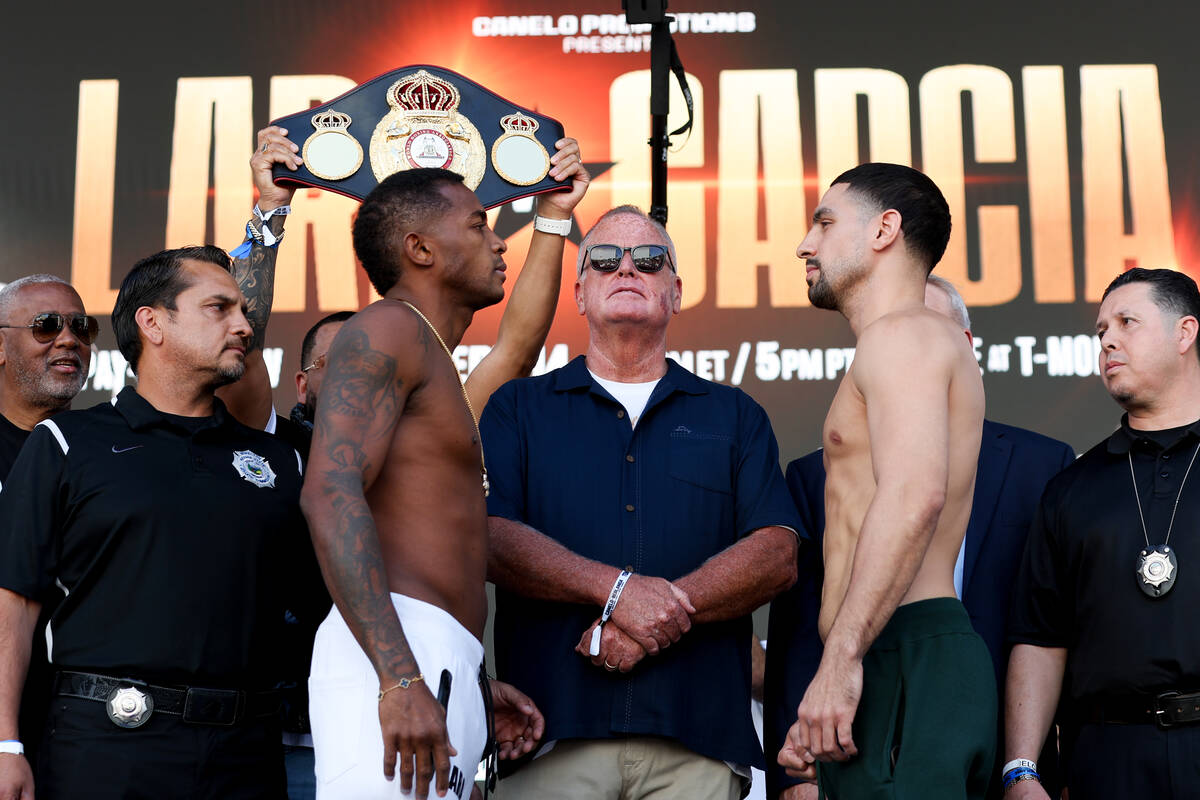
(926, 724)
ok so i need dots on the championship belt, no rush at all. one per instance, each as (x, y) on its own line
(423, 116)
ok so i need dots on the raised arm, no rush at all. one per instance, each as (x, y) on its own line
(530, 308)
(374, 364)
(249, 399)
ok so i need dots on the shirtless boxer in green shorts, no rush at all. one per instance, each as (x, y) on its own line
(903, 704)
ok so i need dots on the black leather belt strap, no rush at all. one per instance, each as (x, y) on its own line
(196, 705)
(1166, 710)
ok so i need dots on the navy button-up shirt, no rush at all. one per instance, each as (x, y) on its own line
(700, 471)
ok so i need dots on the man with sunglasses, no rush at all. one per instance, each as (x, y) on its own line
(45, 351)
(638, 515)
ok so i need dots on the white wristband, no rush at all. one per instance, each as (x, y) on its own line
(12, 746)
(1019, 762)
(282, 211)
(609, 607)
(562, 227)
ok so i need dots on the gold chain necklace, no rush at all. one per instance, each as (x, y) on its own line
(474, 421)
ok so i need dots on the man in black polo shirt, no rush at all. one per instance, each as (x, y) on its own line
(1110, 582)
(159, 517)
(45, 351)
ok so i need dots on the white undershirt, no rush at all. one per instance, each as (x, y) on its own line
(633, 396)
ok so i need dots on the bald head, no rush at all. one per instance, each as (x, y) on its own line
(942, 297)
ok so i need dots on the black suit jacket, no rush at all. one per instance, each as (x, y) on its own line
(1014, 467)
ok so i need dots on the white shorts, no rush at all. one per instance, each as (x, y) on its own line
(343, 706)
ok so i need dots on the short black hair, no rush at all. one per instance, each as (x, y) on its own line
(1173, 292)
(156, 280)
(310, 338)
(924, 213)
(401, 202)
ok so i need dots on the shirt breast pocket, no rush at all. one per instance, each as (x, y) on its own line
(703, 459)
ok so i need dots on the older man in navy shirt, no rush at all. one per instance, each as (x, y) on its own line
(637, 516)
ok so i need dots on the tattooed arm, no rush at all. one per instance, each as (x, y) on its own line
(373, 366)
(530, 308)
(249, 400)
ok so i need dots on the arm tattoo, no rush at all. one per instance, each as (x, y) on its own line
(360, 401)
(255, 276)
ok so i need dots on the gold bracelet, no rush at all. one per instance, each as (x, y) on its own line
(403, 684)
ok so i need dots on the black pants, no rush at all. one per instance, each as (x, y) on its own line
(84, 755)
(1120, 762)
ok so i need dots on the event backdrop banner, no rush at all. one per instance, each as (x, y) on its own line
(1063, 136)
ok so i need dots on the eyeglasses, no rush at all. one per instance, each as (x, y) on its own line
(646, 257)
(48, 325)
(318, 363)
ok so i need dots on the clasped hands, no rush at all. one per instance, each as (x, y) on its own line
(651, 614)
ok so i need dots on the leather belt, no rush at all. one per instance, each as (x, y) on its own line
(1166, 710)
(194, 704)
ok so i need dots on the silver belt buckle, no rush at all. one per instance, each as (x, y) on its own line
(128, 707)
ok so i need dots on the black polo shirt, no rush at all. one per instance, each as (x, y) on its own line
(1077, 586)
(11, 439)
(165, 534)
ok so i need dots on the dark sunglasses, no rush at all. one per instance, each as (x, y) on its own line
(47, 326)
(646, 257)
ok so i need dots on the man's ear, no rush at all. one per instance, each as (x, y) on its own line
(301, 387)
(579, 296)
(418, 249)
(149, 321)
(1185, 332)
(887, 230)
(3, 354)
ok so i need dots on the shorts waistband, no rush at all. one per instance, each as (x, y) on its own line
(431, 623)
(937, 615)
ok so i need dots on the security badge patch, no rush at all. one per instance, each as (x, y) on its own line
(254, 468)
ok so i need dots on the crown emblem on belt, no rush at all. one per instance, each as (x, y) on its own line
(519, 123)
(424, 128)
(424, 93)
(331, 120)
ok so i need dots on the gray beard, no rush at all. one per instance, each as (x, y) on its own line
(44, 389)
